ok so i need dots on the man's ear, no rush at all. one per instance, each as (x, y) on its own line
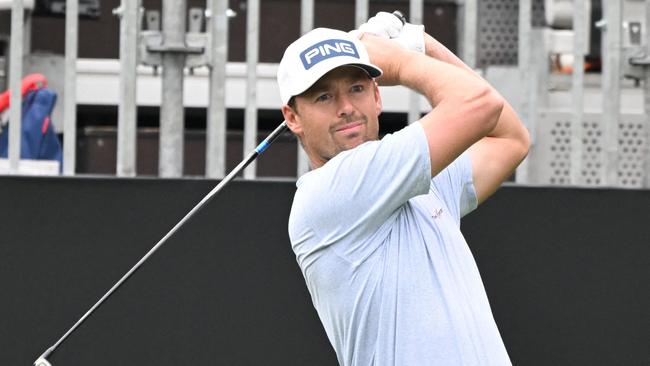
(291, 117)
(378, 105)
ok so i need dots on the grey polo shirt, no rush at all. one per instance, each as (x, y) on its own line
(389, 272)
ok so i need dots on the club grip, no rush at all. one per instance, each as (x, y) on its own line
(400, 16)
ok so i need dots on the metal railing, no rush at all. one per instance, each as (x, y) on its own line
(174, 49)
(595, 132)
(138, 45)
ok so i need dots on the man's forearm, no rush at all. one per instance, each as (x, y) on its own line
(508, 124)
(466, 107)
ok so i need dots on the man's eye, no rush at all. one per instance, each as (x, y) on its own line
(357, 88)
(322, 97)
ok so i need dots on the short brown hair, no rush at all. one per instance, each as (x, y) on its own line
(292, 104)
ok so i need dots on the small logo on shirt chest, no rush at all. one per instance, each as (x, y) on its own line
(437, 213)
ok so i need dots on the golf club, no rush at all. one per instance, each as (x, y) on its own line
(42, 360)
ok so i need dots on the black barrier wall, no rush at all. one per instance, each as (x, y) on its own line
(567, 272)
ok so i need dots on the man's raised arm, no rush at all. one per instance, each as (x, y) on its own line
(494, 157)
(466, 107)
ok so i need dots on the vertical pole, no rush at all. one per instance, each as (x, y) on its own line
(306, 16)
(70, 87)
(250, 113)
(646, 100)
(15, 77)
(216, 125)
(577, 85)
(360, 12)
(611, 92)
(4, 82)
(27, 33)
(469, 33)
(525, 63)
(646, 96)
(127, 112)
(170, 163)
(416, 9)
(306, 24)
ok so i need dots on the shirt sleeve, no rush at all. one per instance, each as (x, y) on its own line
(455, 186)
(348, 199)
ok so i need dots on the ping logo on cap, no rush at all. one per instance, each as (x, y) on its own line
(327, 49)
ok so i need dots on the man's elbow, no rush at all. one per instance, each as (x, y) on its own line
(522, 141)
(492, 104)
(525, 141)
(499, 111)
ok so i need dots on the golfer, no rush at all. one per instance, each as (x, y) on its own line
(375, 225)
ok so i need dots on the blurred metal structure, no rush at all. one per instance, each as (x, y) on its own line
(360, 12)
(217, 28)
(252, 57)
(70, 87)
(645, 155)
(580, 17)
(129, 13)
(172, 118)
(467, 31)
(416, 10)
(525, 63)
(588, 129)
(307, 24)
(15, 76)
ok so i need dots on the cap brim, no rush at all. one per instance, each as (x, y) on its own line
(372, 71)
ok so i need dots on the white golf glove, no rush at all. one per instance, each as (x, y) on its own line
(412, 37)
(387, 25)
(383, 24)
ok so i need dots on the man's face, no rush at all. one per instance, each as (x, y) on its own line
(339, 112)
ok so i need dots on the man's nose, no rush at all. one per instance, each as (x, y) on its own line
(345, 106)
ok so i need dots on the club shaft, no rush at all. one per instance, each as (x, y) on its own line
(243, 164)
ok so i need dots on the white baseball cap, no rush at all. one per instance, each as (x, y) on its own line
(315, 54)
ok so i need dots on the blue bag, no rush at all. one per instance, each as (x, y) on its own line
(38, 139)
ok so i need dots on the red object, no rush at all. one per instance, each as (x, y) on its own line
(46, 124)
(29, 83)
